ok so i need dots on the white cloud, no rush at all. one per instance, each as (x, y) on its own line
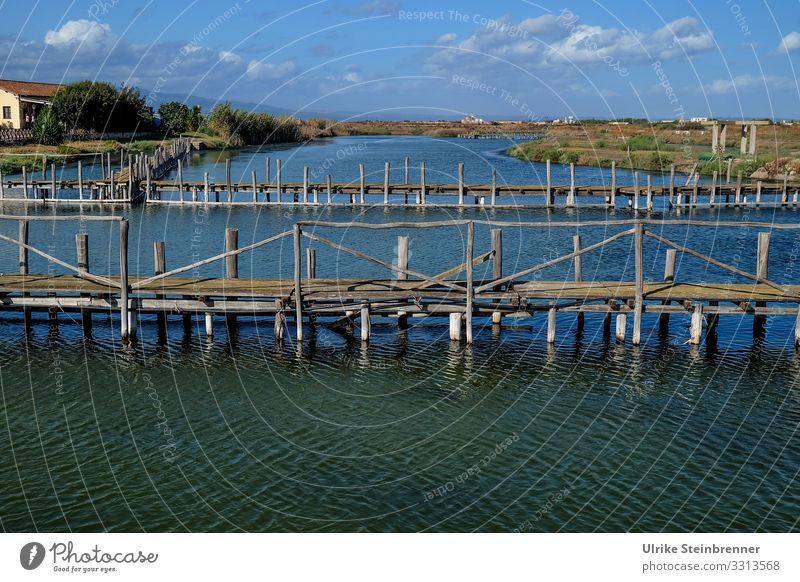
(229, 57)
(789, 43)
(86, 33)
(446, 38)
(563, 41)
(746, 82)
(269, 71)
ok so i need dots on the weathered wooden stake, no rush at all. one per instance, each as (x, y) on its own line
(402, 262)
(578, 266)
(613, 184)
(571, 197)
(758, 193)
(636, 190)
(737, 199)
(305, 184)
(180, 180)
(455, 327)
(696, 327)
(361, 182)
(639, 300)
(762, 271)
(82, 251)
(422, 193)
(671, 183)
(280, 320)
(497, 265)
(470, 291)
(328, 188)
(551, 324)
(649, 194)
(23, 267)
(728, 173)
(461, 183)
(494, 185)
(123, 278)
(160, 262)
(669, 277)
(80, 180)
(622, 320)
(255, 186)
(386, 183)
(298, 295)
(712, 195)
(311, 263)
(279, 186)
(366, 326)
(549, 192)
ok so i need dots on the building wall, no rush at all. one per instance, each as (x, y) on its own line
(10, 100)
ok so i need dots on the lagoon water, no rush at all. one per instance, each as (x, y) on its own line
(413, 432)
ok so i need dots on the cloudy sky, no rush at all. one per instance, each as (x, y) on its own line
(393, 59)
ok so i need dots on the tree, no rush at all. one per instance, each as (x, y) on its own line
(47, 130)
(195, 120)
(101, 107)
(174, 117)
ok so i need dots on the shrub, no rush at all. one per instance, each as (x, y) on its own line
(47, 130)
(101, 107)
(640, 142)
(174, 117)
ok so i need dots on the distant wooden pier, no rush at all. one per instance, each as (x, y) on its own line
(407, 293)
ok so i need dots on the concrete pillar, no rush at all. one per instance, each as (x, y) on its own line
(743, 150)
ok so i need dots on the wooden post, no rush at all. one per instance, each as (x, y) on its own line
(402, 262)
(280, 320)
(762, 271)
(111, 193)
(2, 187)
(455, 327)
(696, 327)
(205, 186)
(550, 199)
(123, 278)
(671, 182)
(578, 266)
(797, 329)
(494, 185)
(738, 196)
(649, 194)
(621, 323)
(160, 262)
(636, 190)
(386, 183)
(23, 267)
(279, 186)
(228, 180)
(311, 263)
(613, 184)
(361, 182)
(694, 189)
(82, 251)
(758, 193)
(255, 186)
(180, 180)
(365, 322)
(25, 182)
(209, 321)
(298, 295)
(460, 183)
(669, 277)
(422, 192)
(571, 197)
(305, 184)
(470, 246)
(110, 171)
(80, 180)
(713, 193)
(785, 189)
(728, 173)
(551, 324)
(53, 194)
(406, 176)
(231, 267)
(497, 266)
(639, 300)
(328, 187)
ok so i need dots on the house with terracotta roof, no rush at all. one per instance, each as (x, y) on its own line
(21, 101)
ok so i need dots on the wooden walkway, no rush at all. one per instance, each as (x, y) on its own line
(352, 303)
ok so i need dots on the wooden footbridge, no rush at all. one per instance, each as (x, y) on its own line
(140, 182)
(406, 293)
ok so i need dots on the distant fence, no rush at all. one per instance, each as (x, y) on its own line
(15, 135)
(8, 135)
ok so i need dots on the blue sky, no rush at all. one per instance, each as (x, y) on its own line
(387, 59)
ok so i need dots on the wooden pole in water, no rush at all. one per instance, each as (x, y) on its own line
(455, 327)
(422, 193)
(386, 183)
(280, 320)
(279, 186)
(53, 193)
(636, 190)
(123, 278)
(23, 267)
(180, 180)
(2, 187)
(255, 186)
(461, 183)
(738, 196)
(613, 184)
(228, 180)
(80, 180)
(269, 178)
(669, 277)
(110, 172)
(130, 179)
(160, 262)
(494, 185)
(578, 265)
(470, 246)
(696, 327)
(497, 266)
(111, 193)
(402, 262)
(549, 191)
(298, 296)
(762, 271)
(25, 182)
(671, 183)
(82, 252)
(728, 174)
(205, 186)
(649, 193)
(694, 189)
(713, 194)
(758, 194)
(328, 188)
(621, 323)
(551, 324)
(231, 267)
(311, 263)
(639, 300)
(366, 326)
(571, 197)
(305, 184)
(361, 182)
(406, 176)
(785, 189)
